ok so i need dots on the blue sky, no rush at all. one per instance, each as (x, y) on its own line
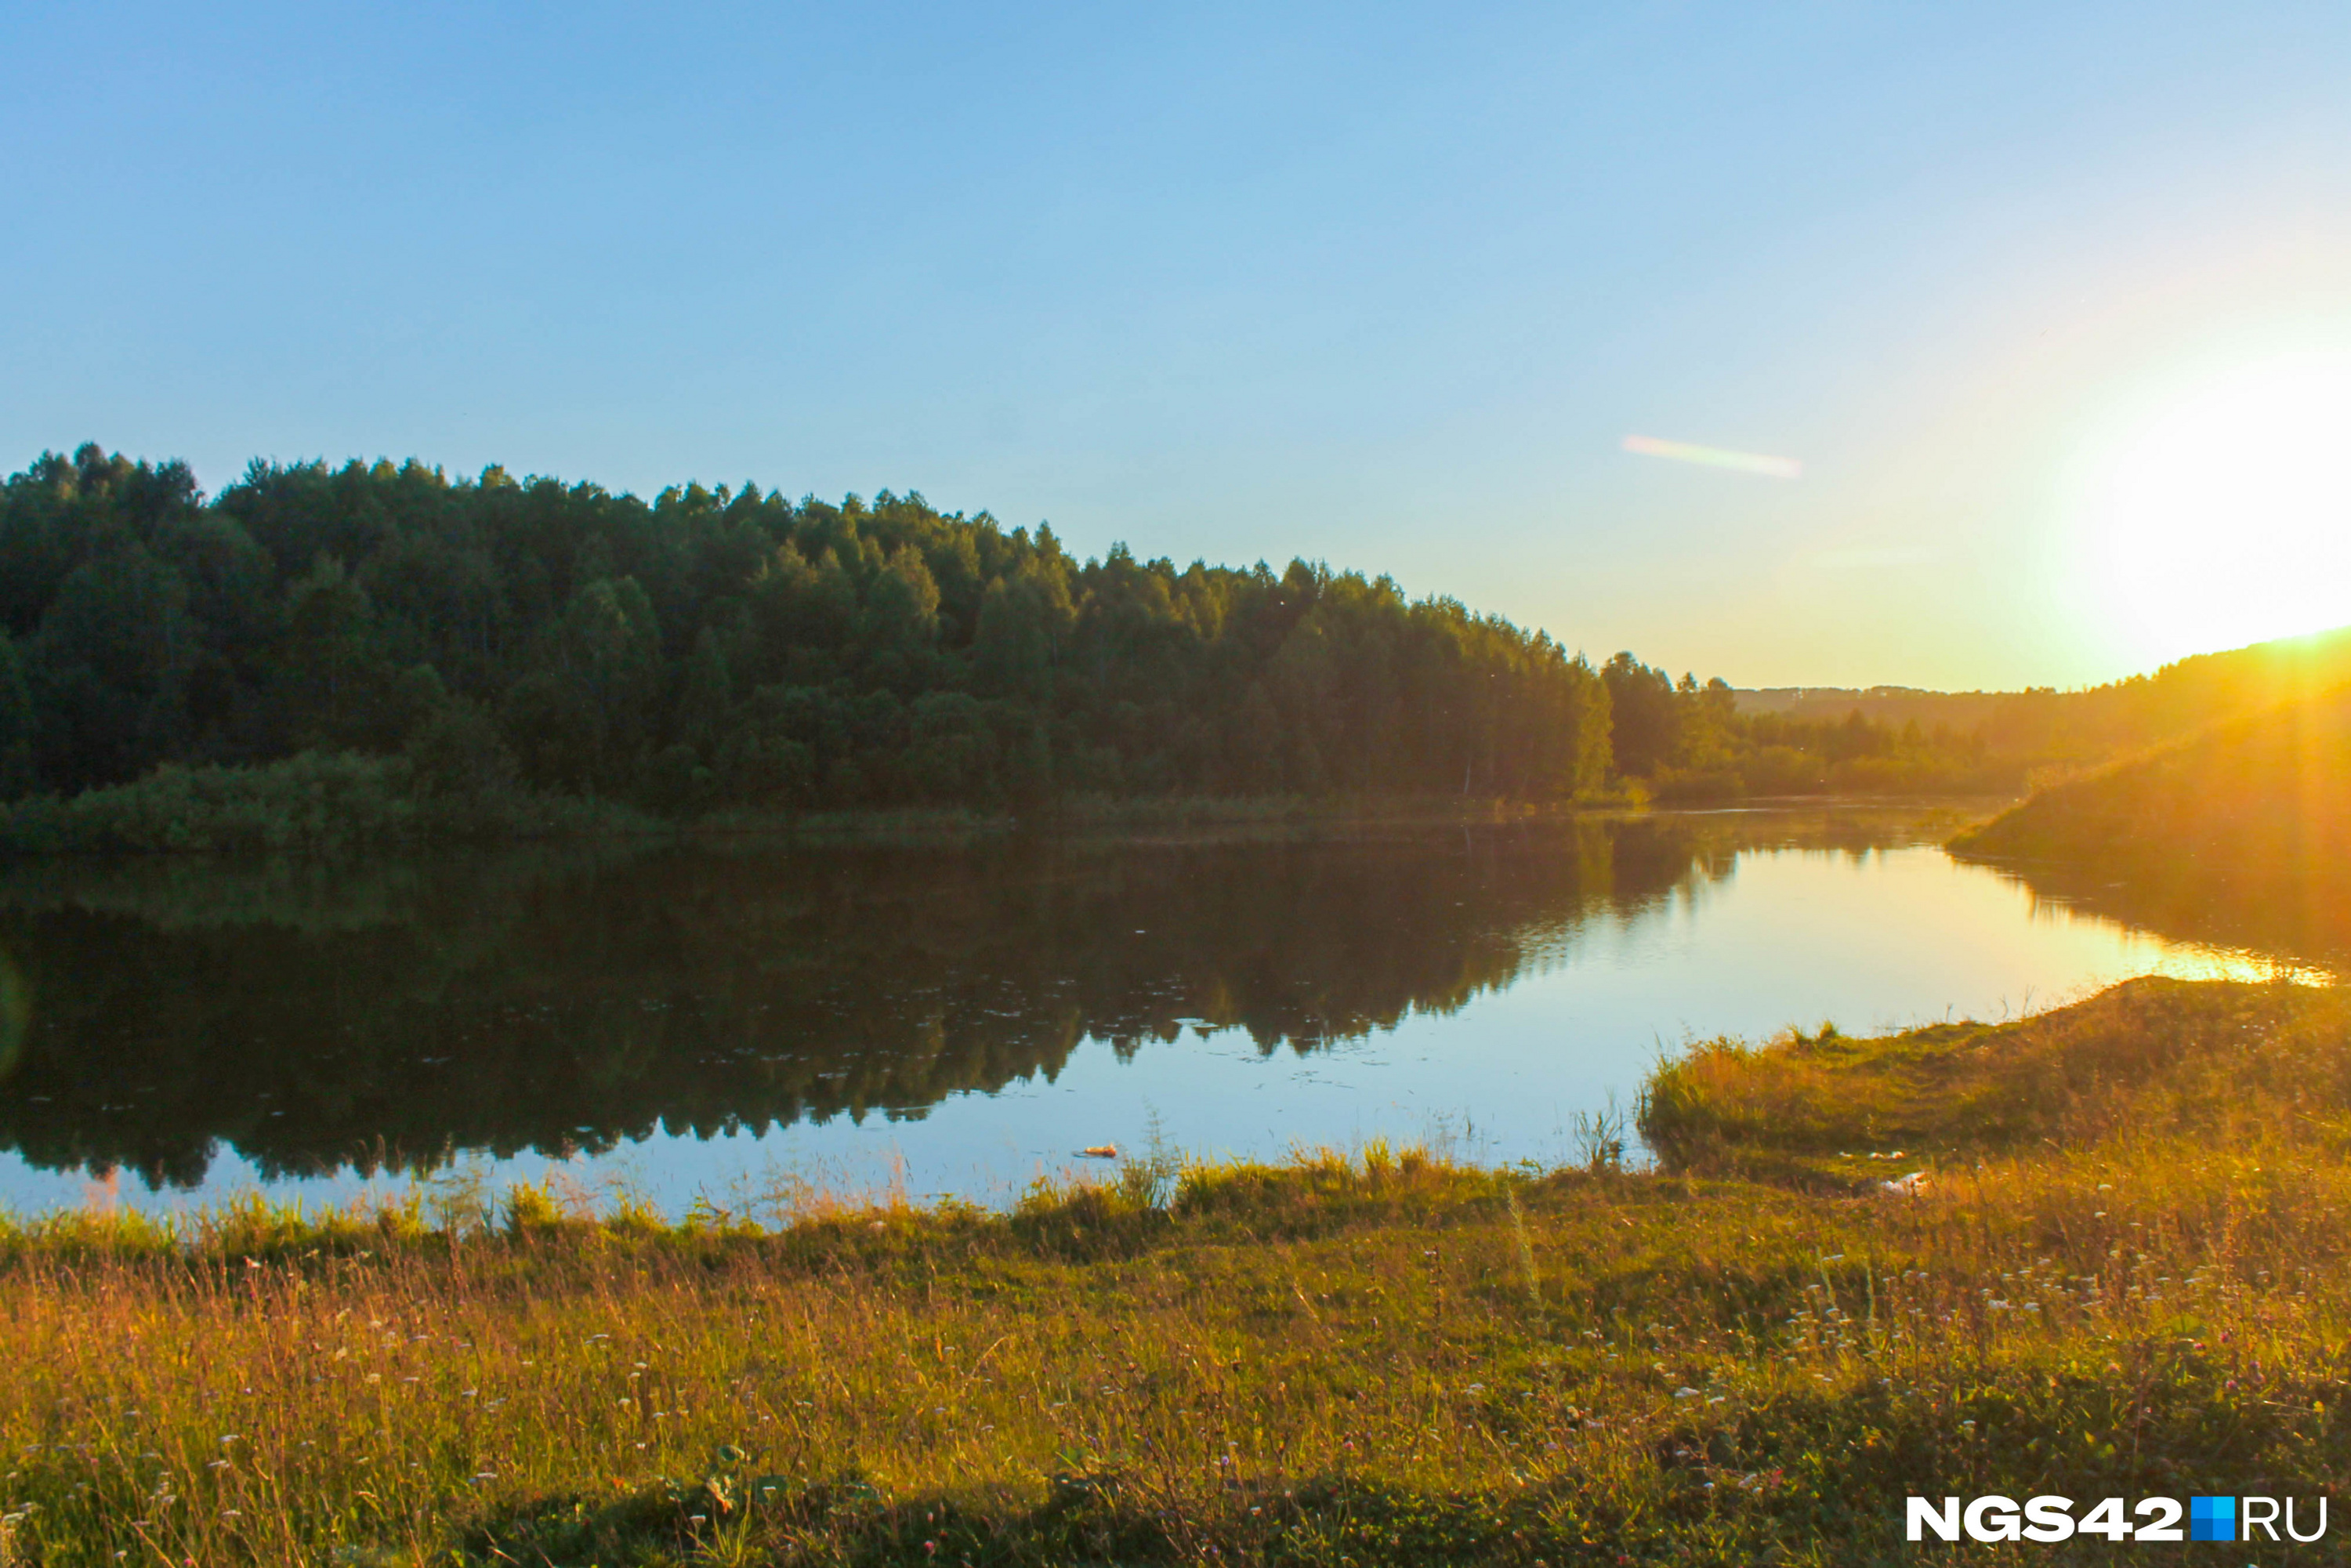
(1380, 285)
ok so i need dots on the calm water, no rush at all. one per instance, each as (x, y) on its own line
(957, 1020)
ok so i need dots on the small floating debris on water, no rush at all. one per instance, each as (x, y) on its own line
(1099, 1152)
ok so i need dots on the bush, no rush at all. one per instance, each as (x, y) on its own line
(458, 751)
(457, 787)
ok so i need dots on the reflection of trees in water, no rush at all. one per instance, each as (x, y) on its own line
(2295, 919)
(2240, 837)
(392, 1014)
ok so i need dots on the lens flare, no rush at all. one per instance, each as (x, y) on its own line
(1714, 456)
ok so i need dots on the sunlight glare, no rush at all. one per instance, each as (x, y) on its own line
(2226, 518)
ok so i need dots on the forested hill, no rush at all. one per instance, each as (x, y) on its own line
(2044, 726)
(2241, 834)
(716, 647)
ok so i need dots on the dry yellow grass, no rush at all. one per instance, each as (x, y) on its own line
(1374, 1358)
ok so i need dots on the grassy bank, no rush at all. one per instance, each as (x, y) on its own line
(2241, 834)
(2124, 1272)
(334, 802)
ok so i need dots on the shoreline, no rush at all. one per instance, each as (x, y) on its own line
(2123, 1269)
(344, 810)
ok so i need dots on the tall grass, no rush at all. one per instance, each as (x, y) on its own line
(1369, 1358)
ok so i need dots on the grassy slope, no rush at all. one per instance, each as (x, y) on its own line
(2242, 833)
(2128, 1275)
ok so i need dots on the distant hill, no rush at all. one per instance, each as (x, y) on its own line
(2048, 728)
(1895, 706)
(2240, 834)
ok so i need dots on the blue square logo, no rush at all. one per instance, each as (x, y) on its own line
(2211, 1519)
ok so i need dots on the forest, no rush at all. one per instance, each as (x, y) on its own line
(406, 647)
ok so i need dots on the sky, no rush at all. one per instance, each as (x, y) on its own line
(2052, 304)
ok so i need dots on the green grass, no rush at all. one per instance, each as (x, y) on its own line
(2125, 1274)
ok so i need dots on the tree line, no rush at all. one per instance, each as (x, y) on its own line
(716, 649)
(728, 647)
(2042, 726)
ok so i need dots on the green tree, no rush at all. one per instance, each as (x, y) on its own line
(109, 670)
(17, 734)
(707, 701)
(1644, 722)
(606, 652)
(336, 683)
(458, 753)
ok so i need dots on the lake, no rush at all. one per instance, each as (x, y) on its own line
(732, 1024)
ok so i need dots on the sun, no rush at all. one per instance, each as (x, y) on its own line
(2225, 518)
